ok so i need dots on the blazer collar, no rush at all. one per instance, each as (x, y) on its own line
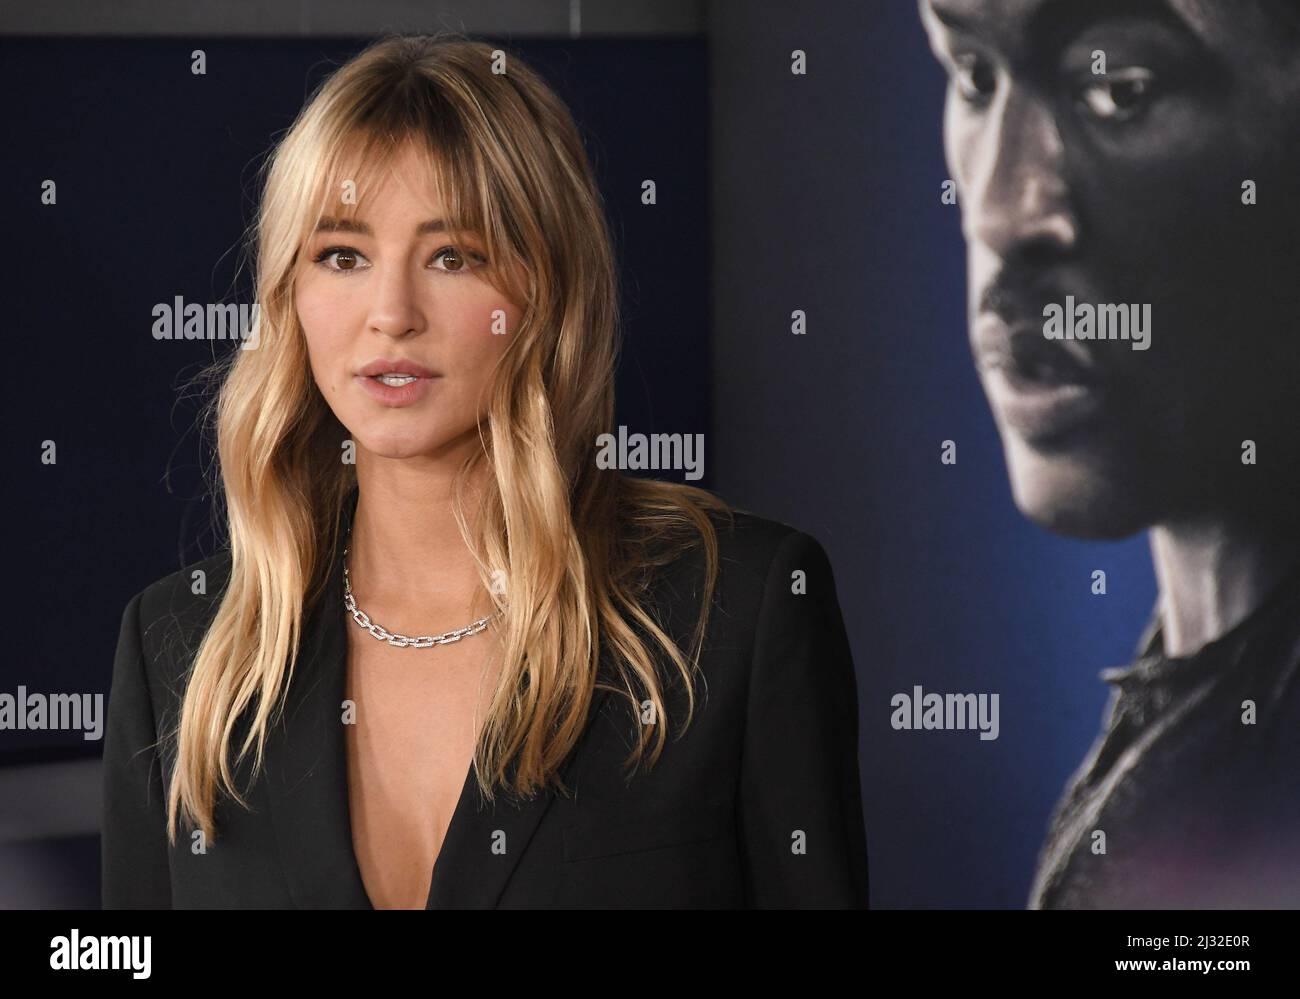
(306, 774)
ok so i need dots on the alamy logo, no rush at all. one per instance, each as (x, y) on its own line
(53, 712)
(1098, 322)
(77, 953)
(922, 711)
(656, 451)
(179, 321)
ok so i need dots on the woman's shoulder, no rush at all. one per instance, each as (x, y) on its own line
(760, 562)
(191, 589)
(753, 545)
(754, 540)
(170, 616)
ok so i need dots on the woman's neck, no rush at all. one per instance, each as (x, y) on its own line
(407, 561)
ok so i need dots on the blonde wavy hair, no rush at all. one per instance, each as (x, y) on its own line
(579, 545)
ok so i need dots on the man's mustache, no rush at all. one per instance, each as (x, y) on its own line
(1018, 294)
(1017, 297)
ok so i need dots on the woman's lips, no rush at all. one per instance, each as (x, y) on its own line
(397, 395)
(397, 366)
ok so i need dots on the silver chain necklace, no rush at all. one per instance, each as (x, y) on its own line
(401, 641)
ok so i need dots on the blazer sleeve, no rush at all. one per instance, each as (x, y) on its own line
(133, 843)
(802, 830)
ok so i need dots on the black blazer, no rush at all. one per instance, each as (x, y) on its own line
(757, 805)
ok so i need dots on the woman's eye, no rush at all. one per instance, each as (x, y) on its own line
(346, 259)
(456, 261)
(343, 259)
(1119, 96)
(973, 77)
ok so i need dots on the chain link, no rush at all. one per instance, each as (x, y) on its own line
(402, 641)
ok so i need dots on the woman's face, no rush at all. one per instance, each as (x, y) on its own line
(387, 292)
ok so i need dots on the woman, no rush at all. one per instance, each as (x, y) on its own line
(408, 454)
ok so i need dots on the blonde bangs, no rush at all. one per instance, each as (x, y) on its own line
(357, 157)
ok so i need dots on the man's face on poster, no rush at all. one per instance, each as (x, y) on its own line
(1125, 187)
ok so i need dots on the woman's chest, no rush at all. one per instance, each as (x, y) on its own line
(411, 719)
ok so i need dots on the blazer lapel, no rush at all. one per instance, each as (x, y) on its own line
(485, 841)
(306, 766)
(306, 774)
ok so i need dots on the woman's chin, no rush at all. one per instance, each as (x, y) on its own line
(394, 444)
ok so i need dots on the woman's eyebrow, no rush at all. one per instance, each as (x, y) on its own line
(330, 224)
